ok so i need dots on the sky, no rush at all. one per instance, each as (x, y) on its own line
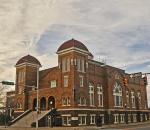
(116, 31)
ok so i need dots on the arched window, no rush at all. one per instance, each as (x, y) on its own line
(117, 92)
(65, 101)
(81, 101)
(91, 94)
(127, 98)
(133, 99)
(100, 95)
(139, 99)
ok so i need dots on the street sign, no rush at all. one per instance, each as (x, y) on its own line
(7, 83)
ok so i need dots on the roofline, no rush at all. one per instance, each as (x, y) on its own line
(72, 49)
(27, 63)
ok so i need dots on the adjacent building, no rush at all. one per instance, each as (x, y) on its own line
(80, 88)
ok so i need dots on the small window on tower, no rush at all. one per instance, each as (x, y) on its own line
(65, 81)
(53, 84)
(81, 80)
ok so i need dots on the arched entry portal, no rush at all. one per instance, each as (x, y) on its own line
(51, 102)
(34, 104)
(43, 104)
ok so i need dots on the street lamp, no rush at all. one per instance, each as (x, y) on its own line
(37, 97)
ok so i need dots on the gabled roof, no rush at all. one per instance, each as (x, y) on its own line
(43, 73)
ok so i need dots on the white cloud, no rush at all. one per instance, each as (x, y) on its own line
(110, 29)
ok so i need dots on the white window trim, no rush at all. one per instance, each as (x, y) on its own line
(81, 80)
(103, 118)
(92, 116)
(67, 100)
(134, 117)
(80, 101)
(122, 118)
(133, 97)
(53, 83)
(68, 116)
(119, 94)
(81, 115)
(66, 78)
(100, 93)
(116, 118)
(90, 94)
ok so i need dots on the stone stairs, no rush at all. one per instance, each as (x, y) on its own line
(28, 119)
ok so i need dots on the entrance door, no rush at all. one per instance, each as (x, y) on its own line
(51, 102)
(34, 104)
(43, 104)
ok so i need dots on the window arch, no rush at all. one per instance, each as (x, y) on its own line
(117, 93)
(91, 94)
(139, 99)
(100, 95)
(127, 98)
(133, 98)
(65, 101)
(81, 101)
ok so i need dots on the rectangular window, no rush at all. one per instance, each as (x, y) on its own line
(81, 80)
(100, 100)
(64, 65)
(65, 81)
(116, 118)
(134, 118)
(82, 119)
(122, 118)
(66, 120)
(141, 117)
(129, 118)
(78, 65)
(82, 66)
(68, 65)
(92, 119)
(102, 116)
(53, 84)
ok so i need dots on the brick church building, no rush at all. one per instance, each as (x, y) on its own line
(80, 88)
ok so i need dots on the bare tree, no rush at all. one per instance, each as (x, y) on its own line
(2, 95)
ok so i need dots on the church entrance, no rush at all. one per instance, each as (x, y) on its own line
(34, 104)
(43, 104)
(51, 102)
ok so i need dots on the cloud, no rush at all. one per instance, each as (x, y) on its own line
(115, 30)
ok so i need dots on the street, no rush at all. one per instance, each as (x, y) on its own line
(136, 127)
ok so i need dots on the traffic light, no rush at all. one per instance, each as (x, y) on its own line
(7, 83)
(145, 80)
(125, 81)
(24, 90)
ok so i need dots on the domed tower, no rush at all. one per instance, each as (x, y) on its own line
(27, 72)
(73, 58)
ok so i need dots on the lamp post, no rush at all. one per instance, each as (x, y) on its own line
(37, 89)
(126, 114)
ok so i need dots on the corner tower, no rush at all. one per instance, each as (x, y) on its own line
(73, 58)
(27, 69)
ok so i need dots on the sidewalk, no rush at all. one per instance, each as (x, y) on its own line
(112, 126)
(125, 125)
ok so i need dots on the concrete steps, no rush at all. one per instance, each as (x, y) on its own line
(27, 120)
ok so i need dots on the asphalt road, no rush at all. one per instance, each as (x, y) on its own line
(143, 127)
(139, 128)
